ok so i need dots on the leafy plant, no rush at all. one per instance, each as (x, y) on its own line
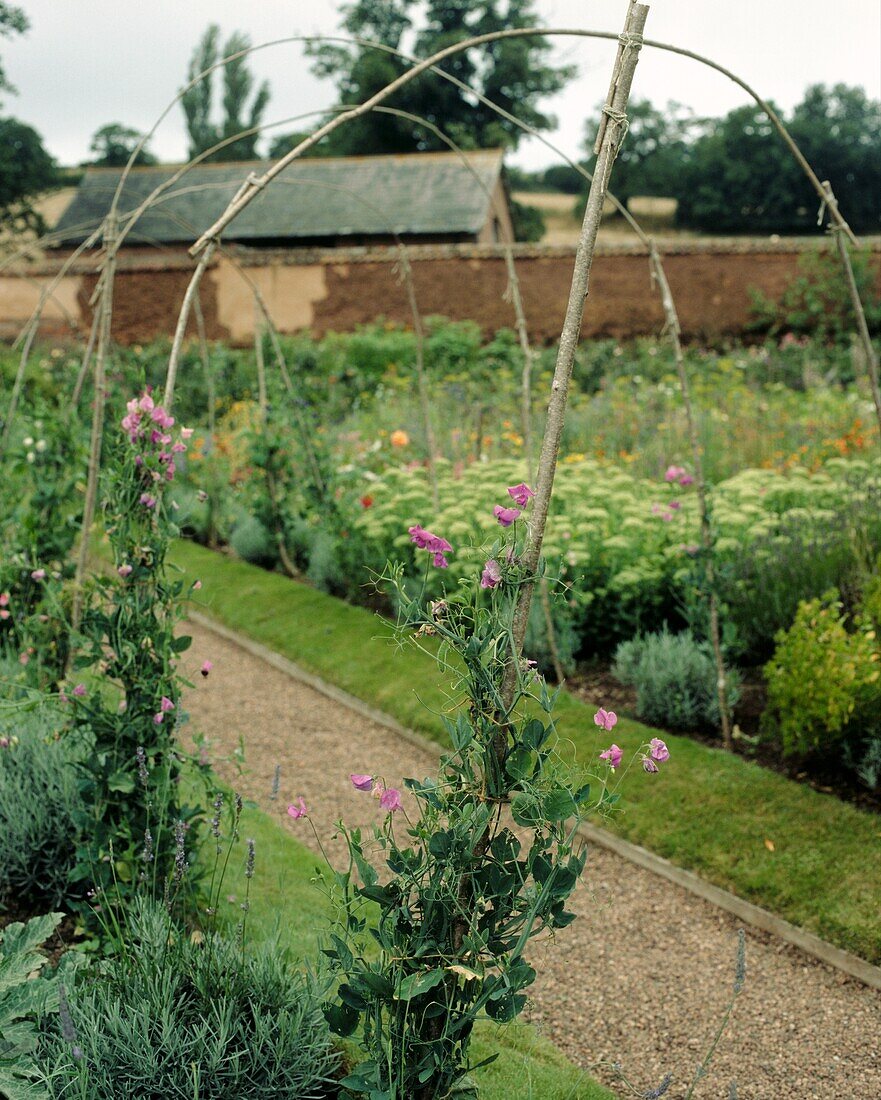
(675, 680)
(824, 680)
(173, 1015)
(25, 1000)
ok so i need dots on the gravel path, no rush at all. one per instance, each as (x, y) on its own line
(641, 978)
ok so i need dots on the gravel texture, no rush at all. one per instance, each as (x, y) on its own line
(643, 976)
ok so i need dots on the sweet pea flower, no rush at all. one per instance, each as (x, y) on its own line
(614, 754)
(147, 500)
(197, 585)
(4, 599)
(158, 718)
(492, 574)
(686, 480)
(187, 433)
(362, 782)
(506, 516)
(674, 473)
(441, 562)
(648, 765)
(79, 691)
(165, 704)
(38, 575)
(206, 667)
(390, 800)
(605, 719)
(659, 750)
(521, 494)
(145, 404)
(124, 570)
(675, 505)
(4, 614)
(299, 810)
(425, 540)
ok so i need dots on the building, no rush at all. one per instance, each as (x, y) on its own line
(321, 202)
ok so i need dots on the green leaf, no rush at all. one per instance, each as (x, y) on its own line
(558, 805)
(520, 763)
(342, 1019)
(121, 781)
(181, 643)
(414, 985)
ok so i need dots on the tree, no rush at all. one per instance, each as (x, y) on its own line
(515, 73)
(114, 144)
(12, 21)
(25, 170)
(238, 84)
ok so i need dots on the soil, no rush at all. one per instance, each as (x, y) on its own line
(643, 975)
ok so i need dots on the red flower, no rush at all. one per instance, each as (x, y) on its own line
(366, 501)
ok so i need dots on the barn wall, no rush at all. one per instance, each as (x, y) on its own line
(337, 289)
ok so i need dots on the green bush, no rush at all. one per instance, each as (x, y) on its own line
(824, 680)
(40, 803)
(253, 543)
(171, 1017)
(675, 680)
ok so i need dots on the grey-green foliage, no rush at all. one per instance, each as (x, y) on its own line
(26, 996)
(675, 680)
(40, 801)
(253, 543)
(173, 1019)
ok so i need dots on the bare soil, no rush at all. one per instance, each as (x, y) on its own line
(642, 976)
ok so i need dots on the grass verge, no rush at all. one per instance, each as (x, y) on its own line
(287, 905)
(708, 811)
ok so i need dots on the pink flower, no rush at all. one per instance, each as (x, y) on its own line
(165, 704)
(24, 658)
(667, 517)
(206, 667)
(391, 800)
(38, 575)
(605, 719)
(4, 614)
(186, 433)
(148, 501)
(492, 574)
(178, 448)
(146, 403)
(425, 540)
(506, 516)
(649, 765)
(675, 505)
(362, 782)
(197, 585)
(686, 479)
(659, 750)
(674, 473)
(441, 562)
(614, 754)
(5, 742)
(158, 719)
(124, 570)
(4, 599)
(79, 691)
(300, 810)
(521, 494)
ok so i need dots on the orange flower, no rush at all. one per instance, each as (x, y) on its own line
(399, 438)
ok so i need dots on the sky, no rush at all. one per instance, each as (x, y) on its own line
(85, 63)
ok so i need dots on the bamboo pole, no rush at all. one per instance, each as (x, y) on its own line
(182, 319)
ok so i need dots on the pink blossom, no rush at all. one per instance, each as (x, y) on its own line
(206, 667)
(521, 494)
(148, 501)
(686, 480)
(158, 718)
(165, 704)
(197, 585)
(674, 473)
(659, 750)
(5, 742)
(649, 765)
(605, 719)
(178, 448)
(124, 570)
(4, 599)
(79, 691)
(441, 562)
(362, 782)
(186, 433)
(391, 800)
(492, 574)
(425, 540)
(506, 516)
(38, 575)
(675, 505)
(4, 614)
(24, 658)
(299, 810)
(145, 404)
(667, 517)
(614, 754)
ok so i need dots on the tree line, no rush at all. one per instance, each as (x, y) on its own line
(728, 174)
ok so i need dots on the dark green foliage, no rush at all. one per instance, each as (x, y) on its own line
(114, 144)
(514, 73)
(26, 169)
(238, 85)
(40, 803)
(675, 680)
(170, 1017)
(12, 21)
(528, 221)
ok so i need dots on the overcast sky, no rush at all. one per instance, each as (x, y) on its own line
(85, 63)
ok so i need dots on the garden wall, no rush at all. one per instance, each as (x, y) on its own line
(337, 289)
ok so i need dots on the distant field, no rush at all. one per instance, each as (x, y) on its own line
(563, 226)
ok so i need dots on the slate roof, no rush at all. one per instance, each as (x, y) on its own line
(419, 194)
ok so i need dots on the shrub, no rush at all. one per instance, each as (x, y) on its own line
(675, 680)
(824, 681)
(172, 1017)
(40, 803)
(254, 543)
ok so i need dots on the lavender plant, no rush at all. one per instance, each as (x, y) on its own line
(488, 862)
